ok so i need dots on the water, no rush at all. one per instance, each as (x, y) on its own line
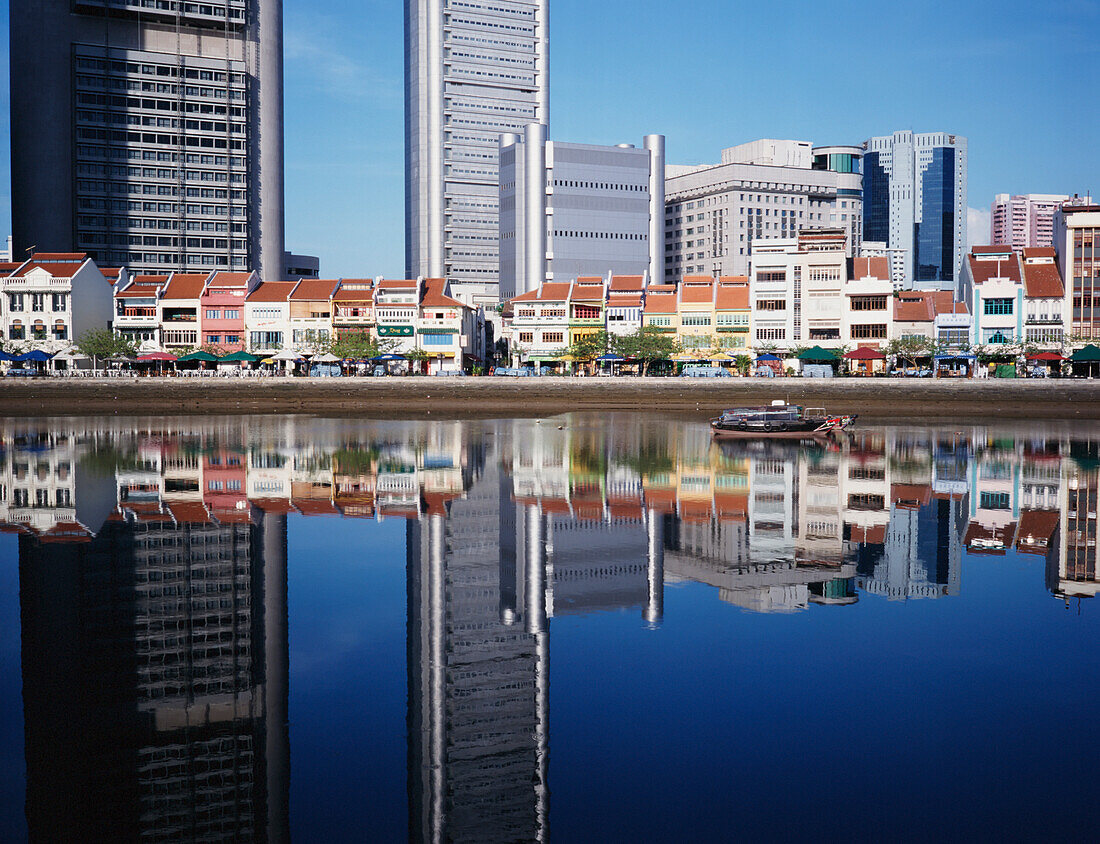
(581, 628)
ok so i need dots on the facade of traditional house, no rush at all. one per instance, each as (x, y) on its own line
(353, 307)
(50, 300)
(137, 315)
(179, 311)
(867, 303)
(311, 314)
(396, 308)
(445, 329)
(586, 307)
(540, 323)
(221, 309)
(267, 317)
(695, 304)
(732, 313)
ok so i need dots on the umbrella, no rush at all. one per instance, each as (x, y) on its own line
(155, 356)
(389, 357)
(6, 356)
(286, 354)
(688, 356)
(721, 356)
(37, 356)
(865, 353)
(238, 357)
(767, 356)
(268, 361)
(1088, 353)
(1045, 356)
(68, 354)
(203, 356)
(817, 353)
(610, 357)
(327, 357)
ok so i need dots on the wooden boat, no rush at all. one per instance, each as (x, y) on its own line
(778, 420)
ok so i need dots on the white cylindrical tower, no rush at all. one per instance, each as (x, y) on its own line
(656, 146)
(534, 208)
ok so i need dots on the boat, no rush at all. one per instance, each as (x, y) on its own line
(778, 420)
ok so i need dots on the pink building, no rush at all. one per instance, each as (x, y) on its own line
(221, 310)
(1026, 221)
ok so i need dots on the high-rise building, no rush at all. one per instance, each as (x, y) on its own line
(1077, 243)
(604, 214)
(914, 198)
(472, 73)
(1024, 221)
(160, 145)
(762, 190)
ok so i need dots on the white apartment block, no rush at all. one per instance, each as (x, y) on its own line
(1025, 220)
(51, 300)
(897, 258)
(763, 190)
(573, 210)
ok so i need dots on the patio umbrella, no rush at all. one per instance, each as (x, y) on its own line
(817, 353)
(609, 357)
(69, 355)
(1049, 356)
(238, 357)
(36, 356)
(155, 356)
(865, 353)
(286, 354)
(721, 356)
(388, 357)
(327, 357)
(1088, 353)
(198, 356)
(767, 356)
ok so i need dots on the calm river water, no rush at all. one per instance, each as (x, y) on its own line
(581, 628)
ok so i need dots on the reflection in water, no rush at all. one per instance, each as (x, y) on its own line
(153, 566)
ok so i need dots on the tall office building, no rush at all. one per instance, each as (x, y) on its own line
(604, 212)
(1024, 221)
(1077, 243)
(914, 198)
(160, 145)
(472, 73)
(762, 190)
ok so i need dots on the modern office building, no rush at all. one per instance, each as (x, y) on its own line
(764, 189)
(914, 198)
(160, 145)
(1077, 243)
(472, 73)
(573, 210)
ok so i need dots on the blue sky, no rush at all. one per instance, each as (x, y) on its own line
(1018, 79)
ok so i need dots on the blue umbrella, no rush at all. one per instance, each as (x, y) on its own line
(767, 356)
(388, 357)
(6, 356)
(38, 356)
(610, 357)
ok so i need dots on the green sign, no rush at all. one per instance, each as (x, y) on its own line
(395, 331)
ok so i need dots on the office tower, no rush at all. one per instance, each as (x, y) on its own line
(914, 198)
(472, 73)
(160, 143)
(153, 711)
(762, 190)
(604, 214)
(1077, 242)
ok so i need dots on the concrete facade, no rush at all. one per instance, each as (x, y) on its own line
(161, 144)
(573, 210)
(472, 73)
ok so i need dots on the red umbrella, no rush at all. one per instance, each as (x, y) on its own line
(865, 353)
(156, 356)
(1045, 356)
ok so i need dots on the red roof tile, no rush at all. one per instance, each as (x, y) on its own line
(697, 290)
(875, 267)
(913, 307)
(660, 299)
(732, 296)
(624, 283)
(587, 289)
(58, 270)
(135, 291)
(1041, 277)
(271, 291)
(1034, 532)
(314, 289)
(185, 286)
(227, 279)
(432, 294)
(985, 269)
(624, 300)
(397, 283)
(189, 512)
(943, 302)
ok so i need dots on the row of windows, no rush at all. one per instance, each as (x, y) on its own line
(134, 154)
(17, 302)
(86, 221)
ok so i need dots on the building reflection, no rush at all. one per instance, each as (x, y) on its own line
(153, 563)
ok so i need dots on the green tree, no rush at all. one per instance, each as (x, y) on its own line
(743, 364)
(588, 347)
(102, 343)
(360, 345)
(646, 345)
(910, 348)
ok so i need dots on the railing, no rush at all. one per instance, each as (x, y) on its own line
(1036, 319)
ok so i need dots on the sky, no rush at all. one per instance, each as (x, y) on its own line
(1019, 79)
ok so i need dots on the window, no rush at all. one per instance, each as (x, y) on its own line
(997, 307)
(232, 338)
(868, 303)
(15, 302)
(553, 337)
(213, 338)
(211, 314)
(994, 501)
(232, 314)
(771, 334)
(527, 337)
(38, 302)
(997, 335)
(869, 332)
(16, 331)
(437, 339)
(60, 302)
(661, 321)
(771, 304)
(586, 312)
(695, 319)
(265, 339)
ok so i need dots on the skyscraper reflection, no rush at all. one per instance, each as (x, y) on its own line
(153, 571)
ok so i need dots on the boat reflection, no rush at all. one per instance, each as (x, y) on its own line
(153, 572)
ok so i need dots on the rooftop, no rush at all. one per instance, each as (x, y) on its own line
(314, 289)
(271, 291)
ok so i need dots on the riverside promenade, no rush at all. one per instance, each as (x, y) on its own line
(419, 396)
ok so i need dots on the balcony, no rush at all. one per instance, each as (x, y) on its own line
(1044, 319)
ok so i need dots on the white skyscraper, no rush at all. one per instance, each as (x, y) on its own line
(914, 198)
(472, 73)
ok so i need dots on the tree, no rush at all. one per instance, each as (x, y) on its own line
(910, 348)
(646, 345)
(360, 345)
(587, 347)
(743, 364)
(102, 343)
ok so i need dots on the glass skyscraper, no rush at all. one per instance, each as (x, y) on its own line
(914, 198)
(472, 73)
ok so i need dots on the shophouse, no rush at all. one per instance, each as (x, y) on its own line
(396, 306)
(586, 307)
(137, 315)
(353, 307)
(221, 309)
(695, 303)
(446, 329)
(625, 299)
(867, 303)
(660, 309)
(1044, 298)
(540, 324)
(52, 299)
(732, 314)
(992, 287)
(179, 311)
(267, 317)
